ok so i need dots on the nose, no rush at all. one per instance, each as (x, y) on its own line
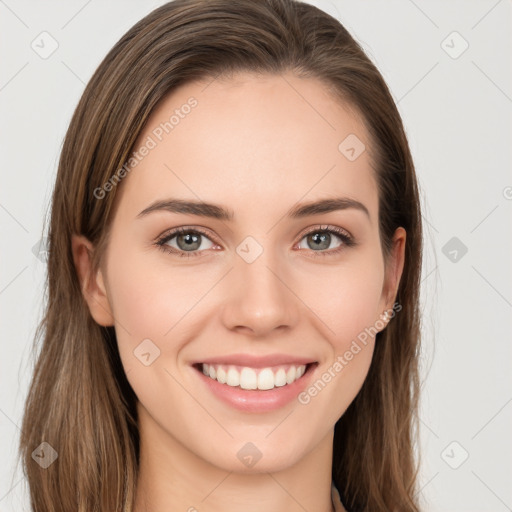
(259, 298)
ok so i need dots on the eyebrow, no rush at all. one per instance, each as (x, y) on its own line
(215, 211)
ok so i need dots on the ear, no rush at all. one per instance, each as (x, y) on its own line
(393, 273)
(91, 283)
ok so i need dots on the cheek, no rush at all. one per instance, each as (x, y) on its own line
(349, 303)
(157, 301)
(154, 307)
(350, 310)
(350, 314)
(149, 300)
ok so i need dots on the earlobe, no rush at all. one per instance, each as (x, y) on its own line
(91, 282)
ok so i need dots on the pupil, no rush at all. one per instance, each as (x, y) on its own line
(189, 239)
(321, 237)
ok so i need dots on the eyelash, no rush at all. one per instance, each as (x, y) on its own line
(347, 240)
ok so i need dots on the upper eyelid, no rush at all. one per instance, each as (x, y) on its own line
(171, 233)
(325, 227)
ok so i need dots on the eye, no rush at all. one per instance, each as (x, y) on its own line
(320, 239)
(188, 242)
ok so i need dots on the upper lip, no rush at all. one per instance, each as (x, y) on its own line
(254, 361)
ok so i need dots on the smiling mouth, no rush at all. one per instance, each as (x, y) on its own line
(245, 377)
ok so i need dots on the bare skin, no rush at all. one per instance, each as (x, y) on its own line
(259, 146)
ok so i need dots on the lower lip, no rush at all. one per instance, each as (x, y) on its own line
(253, 400)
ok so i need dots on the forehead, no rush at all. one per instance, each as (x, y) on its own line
(253, 140)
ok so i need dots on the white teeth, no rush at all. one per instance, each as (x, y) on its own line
(266, 379)
(233, 378)
(280, 378)
(221, 375)
(248, 379)
(251, 378)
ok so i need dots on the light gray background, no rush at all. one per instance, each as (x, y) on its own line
(457, 113)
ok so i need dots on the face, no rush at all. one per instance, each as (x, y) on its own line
(259, 291)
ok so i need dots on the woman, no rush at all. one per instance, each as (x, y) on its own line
(233, 275)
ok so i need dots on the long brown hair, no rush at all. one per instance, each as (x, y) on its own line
(79, 400)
